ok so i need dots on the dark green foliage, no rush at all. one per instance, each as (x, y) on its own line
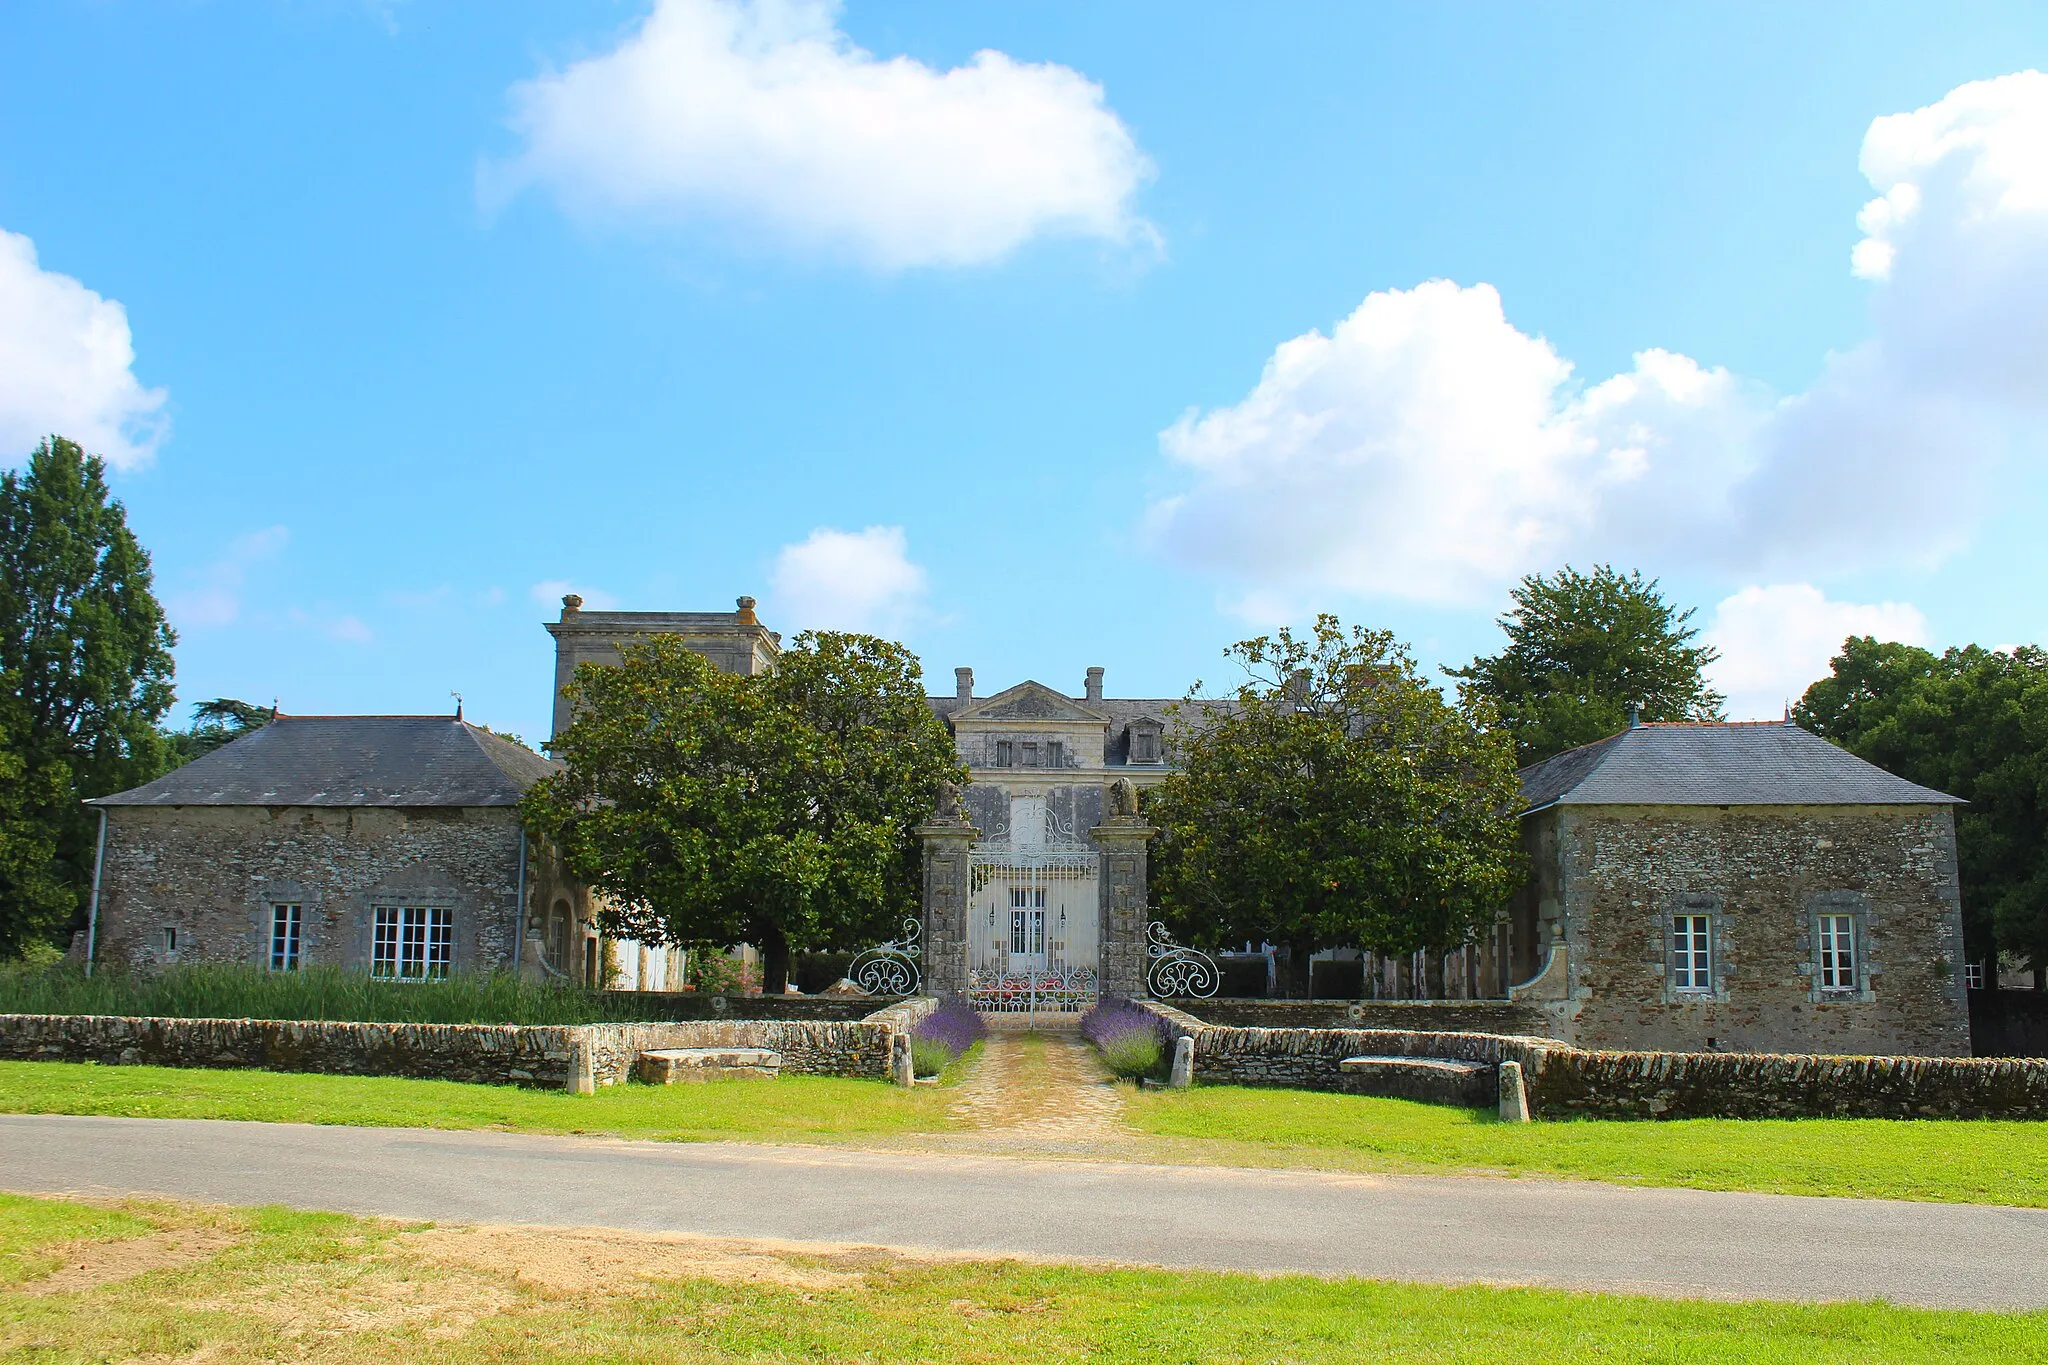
(776, 810)
(85, 648)
(1582, 649)
(214, 723)
(1973, 723)
(1338, 799)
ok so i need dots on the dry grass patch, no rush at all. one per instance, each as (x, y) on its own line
(88, 1265)
(605, 1261)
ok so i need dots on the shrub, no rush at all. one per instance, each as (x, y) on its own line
(943, 1035)
(232, 991)
(1132, 1041)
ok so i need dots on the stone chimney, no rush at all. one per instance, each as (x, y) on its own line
(1094, 691)
(963, 685)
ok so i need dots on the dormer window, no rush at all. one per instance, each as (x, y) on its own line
(1144, 741)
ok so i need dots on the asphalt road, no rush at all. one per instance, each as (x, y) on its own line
(1688, 1243)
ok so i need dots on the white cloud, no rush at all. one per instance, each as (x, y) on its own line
(848, 580)
(763, 116)
(1776, 640)
(66, 366)
(1429, 449)
(549, 592)
(213, 597)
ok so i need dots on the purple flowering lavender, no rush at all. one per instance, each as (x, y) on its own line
(1132, 1041)
(942, 1035)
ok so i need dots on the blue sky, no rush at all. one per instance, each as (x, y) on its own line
(437, 309)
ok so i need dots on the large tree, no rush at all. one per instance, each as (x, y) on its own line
(1336, 800)
(1973, 723)
(84, 643)
(221, 720)
(1583, 648)
(712, 808)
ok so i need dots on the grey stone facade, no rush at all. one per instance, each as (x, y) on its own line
(736, 641)
(1680, 883)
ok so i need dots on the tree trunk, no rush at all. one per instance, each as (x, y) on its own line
(1299, 953)
(774, 961)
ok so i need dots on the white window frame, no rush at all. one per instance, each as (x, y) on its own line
(287, 922)
(1838, 967)
(1973, 976)
(1693, 970)
(412, 942)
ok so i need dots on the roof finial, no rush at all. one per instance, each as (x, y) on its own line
(458, 704)
(745, 614)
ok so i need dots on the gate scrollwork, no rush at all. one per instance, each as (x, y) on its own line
(1174, 971)
(890, 968)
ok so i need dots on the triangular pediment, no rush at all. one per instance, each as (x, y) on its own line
(1030, 701)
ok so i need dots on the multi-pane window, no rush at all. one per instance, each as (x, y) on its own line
(1055, 754)
(1973, 975)
(1004, 752)
(1027, 920)
(412, 942)
(1692, 954)
(1837, 934)
(284, 938)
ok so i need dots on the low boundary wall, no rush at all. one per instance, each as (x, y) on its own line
(543, 1055)
(1568, 1082)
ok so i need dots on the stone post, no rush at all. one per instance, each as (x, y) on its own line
(1514, 1098)
(947, 844)
(1183, 1074)
(901, 1069)
(582, 1077)
(1125, 902)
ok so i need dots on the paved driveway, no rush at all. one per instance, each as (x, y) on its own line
(1580, 1235)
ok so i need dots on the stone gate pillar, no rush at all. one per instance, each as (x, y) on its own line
(1125, 902)
(947, 844)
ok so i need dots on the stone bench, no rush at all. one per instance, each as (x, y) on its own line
(1436, 1080)
(667, 1065)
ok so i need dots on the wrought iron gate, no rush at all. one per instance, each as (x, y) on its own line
(1033, 932)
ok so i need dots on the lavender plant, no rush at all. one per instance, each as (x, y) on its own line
(1132, 1041)
(943, 1035)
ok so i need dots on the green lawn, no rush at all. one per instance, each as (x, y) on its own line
(326, 1287)
(1988, 1162)
(788, 1109)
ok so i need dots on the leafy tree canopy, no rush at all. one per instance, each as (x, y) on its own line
(1973, 723)
(1582, 649)
(712, 808)
(214, 723)
(1337, 799)
(85, 649)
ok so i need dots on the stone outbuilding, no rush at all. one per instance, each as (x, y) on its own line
(388, 844)
(1743, 887)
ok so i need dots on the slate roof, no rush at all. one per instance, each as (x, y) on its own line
(351, 761)
(1741, 763)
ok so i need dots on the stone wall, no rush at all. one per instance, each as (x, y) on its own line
(1421, 1016)
(489, 1054)
(1569, 1082)
(1761, 875)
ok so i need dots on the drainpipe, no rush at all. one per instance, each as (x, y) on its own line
(519, 915)
(92, 919)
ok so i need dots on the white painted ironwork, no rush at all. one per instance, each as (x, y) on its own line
(1032, 927)
(890, 968)
(1174, 971)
